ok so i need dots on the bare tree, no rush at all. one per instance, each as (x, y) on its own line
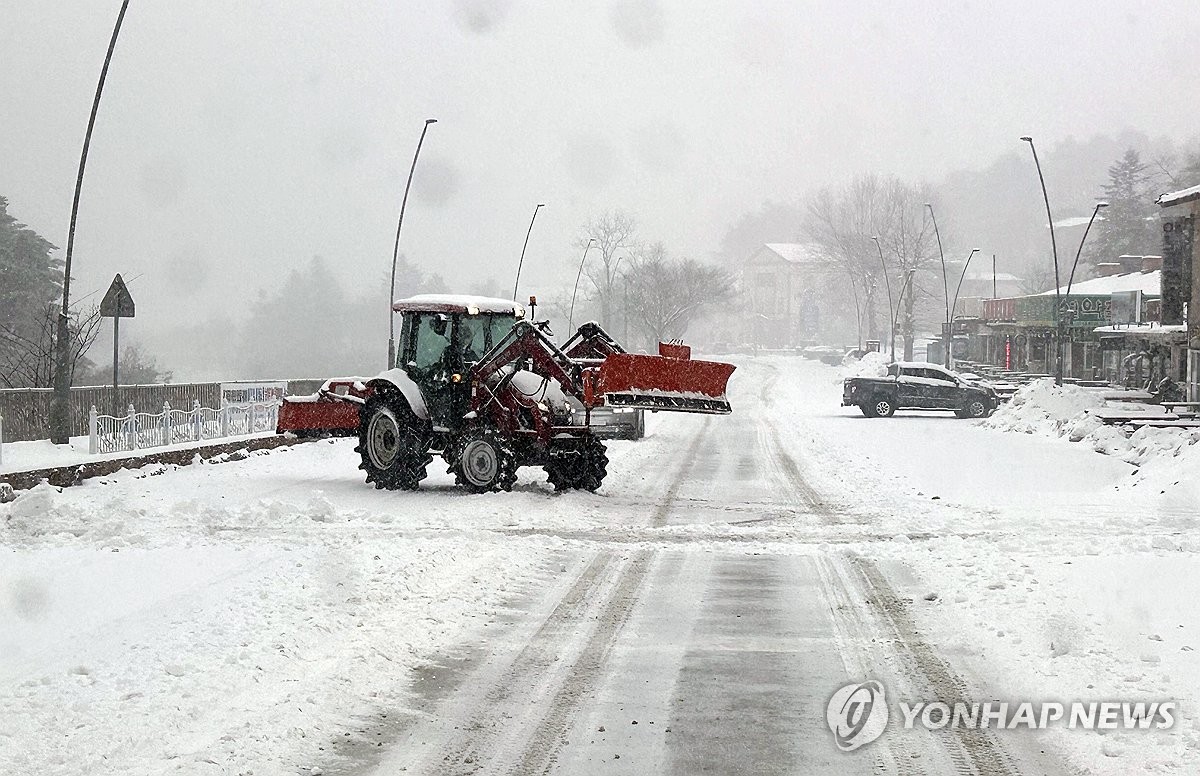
(615, 236)
(665, 295)
(841, 224)
(27, 352)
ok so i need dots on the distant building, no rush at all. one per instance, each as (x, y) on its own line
(1180, 270)
(783, 291)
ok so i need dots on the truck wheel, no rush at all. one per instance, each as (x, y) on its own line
(393, 443)
(976, 408)
(882, 408)
(578, 467)
(484, 461)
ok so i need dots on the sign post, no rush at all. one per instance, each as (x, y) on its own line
(117, 304)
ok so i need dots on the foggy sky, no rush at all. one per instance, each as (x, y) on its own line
(238, 139)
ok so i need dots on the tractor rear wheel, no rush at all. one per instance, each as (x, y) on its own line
(484, 461)
(578, 467)
(393, 443)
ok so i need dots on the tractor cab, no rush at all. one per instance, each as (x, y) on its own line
(441, 338)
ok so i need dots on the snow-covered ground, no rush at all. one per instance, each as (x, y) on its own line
(244, 616)
(43, 454)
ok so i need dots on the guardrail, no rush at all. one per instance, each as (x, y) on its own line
(140, 430)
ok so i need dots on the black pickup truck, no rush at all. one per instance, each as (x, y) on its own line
(918, 386)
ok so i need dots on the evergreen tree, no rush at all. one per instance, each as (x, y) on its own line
(1128, 226)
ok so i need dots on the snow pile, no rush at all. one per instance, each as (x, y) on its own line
(1046, 409)
(870, 365)
(1068, 411)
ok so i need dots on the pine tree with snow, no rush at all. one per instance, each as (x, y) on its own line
(1129, 222)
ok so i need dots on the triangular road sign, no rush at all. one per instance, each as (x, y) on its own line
(117, 302)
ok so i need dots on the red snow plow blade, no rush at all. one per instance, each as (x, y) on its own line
(668, 381)
(331, 410)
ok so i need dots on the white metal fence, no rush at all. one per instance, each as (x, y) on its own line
(139, 430)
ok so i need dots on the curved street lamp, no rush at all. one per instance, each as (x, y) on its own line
(954, 305)
(945, 281)
(1071, 277)
(1074, 264)
(891, 306)
(967, 263)
(578, 275)
(521, 263)
(396, 249)
(60, 402)
(1058, 350)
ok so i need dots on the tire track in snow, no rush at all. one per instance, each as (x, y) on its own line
(541, 688)
(971, 751)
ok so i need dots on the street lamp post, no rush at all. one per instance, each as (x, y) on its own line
(578, 275)
(891, 305)
(1058, 350)
(521, 263)
(954, 304)
(945, 282)
(60, 402)
(396, 249)
(1074, 264)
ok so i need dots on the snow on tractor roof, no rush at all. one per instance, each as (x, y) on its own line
(458, 303)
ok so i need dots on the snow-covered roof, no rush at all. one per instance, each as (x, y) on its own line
(1068, 223)
(794, 252)
(1146, 329)
(459, 303)
(1179, 197)
(1149, 283)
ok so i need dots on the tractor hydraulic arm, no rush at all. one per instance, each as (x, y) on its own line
(526, 342)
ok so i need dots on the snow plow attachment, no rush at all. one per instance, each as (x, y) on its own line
(669, 381)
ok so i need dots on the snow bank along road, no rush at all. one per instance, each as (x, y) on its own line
(277, 615)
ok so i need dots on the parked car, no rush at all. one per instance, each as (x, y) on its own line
(918, 386)
(614, 422)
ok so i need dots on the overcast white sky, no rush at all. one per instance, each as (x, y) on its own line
(237, 139)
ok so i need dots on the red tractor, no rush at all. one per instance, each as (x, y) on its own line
(488, 390)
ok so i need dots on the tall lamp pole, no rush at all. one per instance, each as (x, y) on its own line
(1082, 240)
(954, 304)
(1058, 348)
(396, 249)
(945, 282)
(60, 402)
(578, 275)
(1071, 277)
(891, 305)
(521, 263)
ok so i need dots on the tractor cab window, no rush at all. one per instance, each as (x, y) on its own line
(472, 338)
(430, 341)
(499, 326)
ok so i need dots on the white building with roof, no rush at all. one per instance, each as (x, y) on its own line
(784, 290)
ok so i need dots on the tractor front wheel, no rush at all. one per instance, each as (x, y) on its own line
(393, 443)
(578, 467)
(484, 461)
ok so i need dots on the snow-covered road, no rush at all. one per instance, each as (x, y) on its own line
(277, 615)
